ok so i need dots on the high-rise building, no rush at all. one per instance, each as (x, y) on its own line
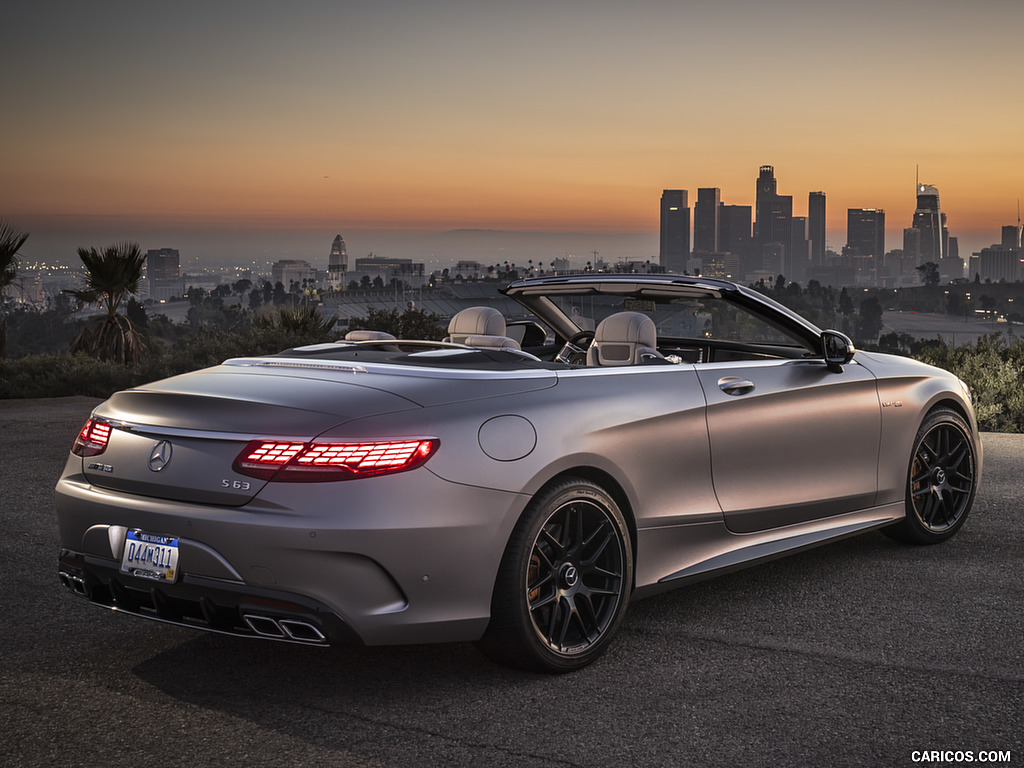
(816, 227)
(337, 264)
(675, 230)
(163, 264)
(774, 211)
(912, 246)
(766, 190)
(706, 219)
(734, 224)
(163, 274)
(773, 228)
(797, 258)
(1011, 237)
(930, 221)
(935, 243)
(998, 263)
(865, 232)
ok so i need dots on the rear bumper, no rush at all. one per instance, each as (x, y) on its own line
(409, 558)
(207, 604)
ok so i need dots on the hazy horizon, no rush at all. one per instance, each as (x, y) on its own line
(237, 245)
(221, 128)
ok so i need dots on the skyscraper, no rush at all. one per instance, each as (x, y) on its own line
(337, 264)
(773, 228)
(936, 244)
(865, 232)
(816, 227)
(163, 274)
(774, 211)
(930, 221)
(675, 230)
(706, 219)
(734, 226)
(797, 258)
(163, 264)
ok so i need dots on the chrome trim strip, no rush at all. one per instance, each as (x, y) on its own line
(150, 430)
(423, 371)
(323, 365)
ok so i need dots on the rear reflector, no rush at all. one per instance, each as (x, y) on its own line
(287, 462)
(93, 439)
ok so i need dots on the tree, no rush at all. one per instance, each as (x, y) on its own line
(280, 297)
(845, 302)
(869, 322)
(410, 324)
(196, 296)
(302, 319)
(11, 241)
(112, 274)
(929, 272)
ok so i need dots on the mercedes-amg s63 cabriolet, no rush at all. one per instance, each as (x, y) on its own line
(516, 484)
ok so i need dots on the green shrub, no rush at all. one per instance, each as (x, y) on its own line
(63, 375)
(410, 324)
(994, 370)
(79, 374)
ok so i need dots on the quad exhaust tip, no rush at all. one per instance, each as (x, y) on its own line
(294, 630)
(284, 629)
(75, 583)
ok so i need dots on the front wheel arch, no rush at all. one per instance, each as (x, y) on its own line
(942, 479)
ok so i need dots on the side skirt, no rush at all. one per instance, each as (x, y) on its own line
(731, 552)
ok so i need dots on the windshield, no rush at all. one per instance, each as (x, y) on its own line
(705, 317)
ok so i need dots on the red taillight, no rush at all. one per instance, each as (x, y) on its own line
(324, 462)
(93, 438)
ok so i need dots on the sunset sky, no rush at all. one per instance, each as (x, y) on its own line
(240, 119)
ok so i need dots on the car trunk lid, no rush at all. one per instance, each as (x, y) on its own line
(178, 439)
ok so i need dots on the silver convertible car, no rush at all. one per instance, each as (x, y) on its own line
(515, 485)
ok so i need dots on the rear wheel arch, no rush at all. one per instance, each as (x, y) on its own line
(615, 490)
(566, 575)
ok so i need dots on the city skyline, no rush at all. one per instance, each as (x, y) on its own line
(230, 126)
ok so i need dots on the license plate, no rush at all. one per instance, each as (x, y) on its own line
(149, 556)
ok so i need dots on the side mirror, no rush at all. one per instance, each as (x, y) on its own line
(837, 349)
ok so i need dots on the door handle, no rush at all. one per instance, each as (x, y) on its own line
(733, 385)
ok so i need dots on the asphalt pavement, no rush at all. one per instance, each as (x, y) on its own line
(863, 652)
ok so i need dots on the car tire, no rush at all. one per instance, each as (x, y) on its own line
(564, 581)
(941, 480)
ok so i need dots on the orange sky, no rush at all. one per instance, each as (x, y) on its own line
(534, 116)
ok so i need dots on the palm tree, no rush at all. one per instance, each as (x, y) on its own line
(11, 241)
(111, 275)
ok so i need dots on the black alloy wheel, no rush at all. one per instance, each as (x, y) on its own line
(564, 582)
(941, 481)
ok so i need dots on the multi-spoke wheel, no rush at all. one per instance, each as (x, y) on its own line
(941, 480)
(564, 582)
